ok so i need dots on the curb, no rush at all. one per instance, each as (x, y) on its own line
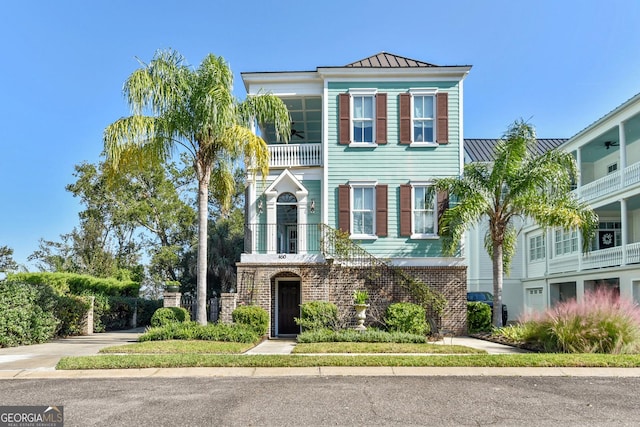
(26, 374)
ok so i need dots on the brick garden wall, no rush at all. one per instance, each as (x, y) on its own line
(336, 283)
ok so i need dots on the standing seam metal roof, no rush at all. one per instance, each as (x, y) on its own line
(482, 150)
(388, 60)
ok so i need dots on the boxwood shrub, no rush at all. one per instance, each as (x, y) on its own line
(252, 316)
(316, 315)
(166, 315)
(406, 317)
(351, 335)
(235, 332)
(478, 317)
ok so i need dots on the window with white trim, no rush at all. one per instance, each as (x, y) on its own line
(363, 210)
(362, 118)
(566, 242)
(422, 118)
(423, 210)
(537, 248)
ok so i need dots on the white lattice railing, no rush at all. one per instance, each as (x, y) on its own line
(288, 155)
(632, 174)
(600, 187)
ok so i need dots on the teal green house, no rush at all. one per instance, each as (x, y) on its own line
(367, 140)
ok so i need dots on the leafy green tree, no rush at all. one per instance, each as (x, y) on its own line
(7, 263)
(175, 106)
(104, 244)
(518, 184)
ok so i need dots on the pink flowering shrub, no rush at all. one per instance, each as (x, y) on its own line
(601, 323)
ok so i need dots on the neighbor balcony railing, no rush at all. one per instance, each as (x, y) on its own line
(609, 257)
(610, 183)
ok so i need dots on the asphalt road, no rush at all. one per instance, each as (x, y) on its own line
(325, 401)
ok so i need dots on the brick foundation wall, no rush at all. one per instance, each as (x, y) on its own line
(336, 283)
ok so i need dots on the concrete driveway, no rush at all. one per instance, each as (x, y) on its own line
(45, 356)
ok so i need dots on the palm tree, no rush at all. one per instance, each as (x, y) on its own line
(518, 184)
(177, 107)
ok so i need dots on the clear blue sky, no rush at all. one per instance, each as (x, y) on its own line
(562, 64)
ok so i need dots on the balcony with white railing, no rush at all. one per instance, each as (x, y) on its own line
(603, 258)
(632, 175)
(295, 155)
(600, 187)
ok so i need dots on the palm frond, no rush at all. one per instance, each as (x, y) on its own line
(267, 108)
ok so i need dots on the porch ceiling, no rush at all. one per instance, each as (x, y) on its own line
(596, 149)
(613, 208)
(306, 118)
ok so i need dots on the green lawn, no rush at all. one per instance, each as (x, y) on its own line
(180, 347)
(221, 360)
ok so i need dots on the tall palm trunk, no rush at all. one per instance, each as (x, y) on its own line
(204, 176)
(497, 283)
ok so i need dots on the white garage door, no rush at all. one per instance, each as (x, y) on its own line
(535, 300)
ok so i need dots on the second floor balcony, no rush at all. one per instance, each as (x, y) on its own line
(295, 155)
(611, 183)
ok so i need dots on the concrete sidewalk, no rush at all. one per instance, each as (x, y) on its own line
(285, 346)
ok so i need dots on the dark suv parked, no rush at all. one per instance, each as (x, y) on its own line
(487, 298)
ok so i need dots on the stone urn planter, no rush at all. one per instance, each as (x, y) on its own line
(361, 315)
(360, 298)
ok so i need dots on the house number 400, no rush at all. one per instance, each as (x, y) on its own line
(282, 256)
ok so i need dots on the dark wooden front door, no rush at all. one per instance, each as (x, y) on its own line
(288, 307)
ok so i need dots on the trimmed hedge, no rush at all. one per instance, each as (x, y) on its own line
(316, 315)
(406, 317)
(79, 284)
(478, 317)
(166, 315)
(235, 332)
(27, 314)
(253, 316)
(37, 307)
(351, 335)
(71, 310)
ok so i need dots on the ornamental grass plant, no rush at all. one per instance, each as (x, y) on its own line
(601, 322)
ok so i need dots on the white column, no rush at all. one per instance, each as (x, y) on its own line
(252, 209)
(579, 162)
(624, 231)
(622, 153)
(302, 221)
(271, 227)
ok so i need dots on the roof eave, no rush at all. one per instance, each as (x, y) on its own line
(458, 71)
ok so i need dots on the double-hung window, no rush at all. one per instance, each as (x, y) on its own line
(423, 118)
(424, 211)
(537, 248)
(420, 208)
(363, 119)
(363, 211)
(566, 241)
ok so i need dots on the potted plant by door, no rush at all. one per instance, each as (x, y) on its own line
(360, 298)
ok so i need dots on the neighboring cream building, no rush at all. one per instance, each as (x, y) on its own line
(549, 266)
